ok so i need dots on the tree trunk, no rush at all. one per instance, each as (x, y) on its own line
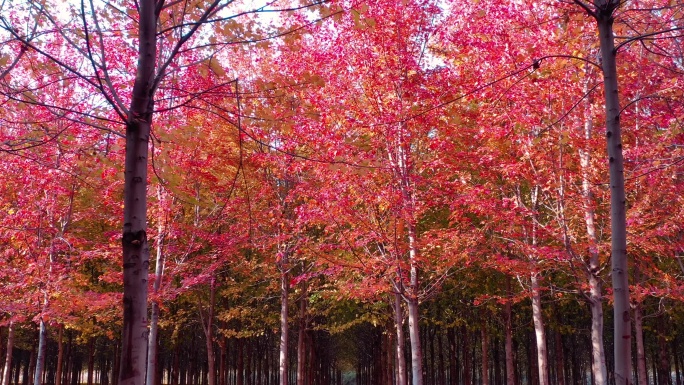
(598, 363)
(467, 357)
(158, 277)
(560, 358)
(540, 333)
(136, 253)
(675, 356)
(400, 355)
(91, 361)
(440, 354)
(209, 333)
(301, 346)
(40, 355)
(60, 355)
(664, 366)
(223, 354)
(485, 353)
(284, 327)
(453, 366)
(508, 319)
(623, 333)
(413, 313)
(8, 355)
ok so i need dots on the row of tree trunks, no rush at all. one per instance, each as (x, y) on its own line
(453, 356)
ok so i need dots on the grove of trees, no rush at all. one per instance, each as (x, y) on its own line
(369, 192)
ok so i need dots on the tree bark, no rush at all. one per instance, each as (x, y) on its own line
(595, 297)
(453, 367)
(622, 323)
(467, 357)
(485, 353)
(284, 327)
(91, 361)
(560, 358)
(136, 253)
(301, 346)
(158, 277)
(413, 313)
(240, 365)
(209, 334)
(664, 366)
(8, 354)
(508, 319)
(400, 355)
(40, 354)
(540, 333)
(60, 355)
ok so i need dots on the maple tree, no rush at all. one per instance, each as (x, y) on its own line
(354, 166)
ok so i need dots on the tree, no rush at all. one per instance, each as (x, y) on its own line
(167, 42)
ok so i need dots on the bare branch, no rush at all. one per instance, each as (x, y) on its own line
(586, 7)
(644, 36)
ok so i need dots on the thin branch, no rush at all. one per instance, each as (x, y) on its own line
(644, 36)
(586, 7)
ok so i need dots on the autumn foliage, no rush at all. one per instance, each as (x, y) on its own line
(346, 172)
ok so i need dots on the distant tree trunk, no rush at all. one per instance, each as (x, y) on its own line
(642, 375)
(664, 366)
(467, 357)
(400, 355)
(91, 360)
(284, 327)
(223, 354)
(453, 365)
(208, 327)
(301, 345)
(676, 356)
(560, 358)
(508, 329)
(595, 297)
(540, 333)
(60, 355)
(31, 370)
(413, 313)
(240, 365)
(440, 353)
(8, 354)
(484, 334)
(158, 277)
(390, 369)
(497, 362)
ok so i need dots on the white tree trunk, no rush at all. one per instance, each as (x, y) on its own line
(40, 357)
(400, 355)
(598, 363)
(284, 327)
(413, 313)
(8, 355)
(642, 375)
(154, 313)
(540, 333)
